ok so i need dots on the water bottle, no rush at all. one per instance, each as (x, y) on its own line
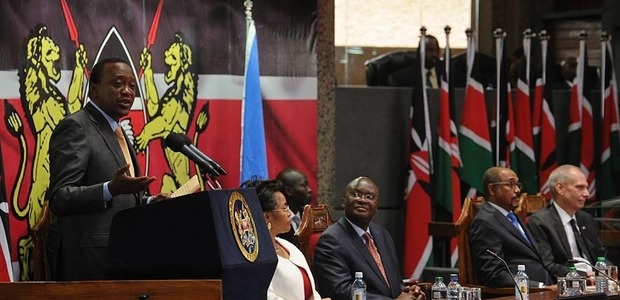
(573, 282)
(600, 279)
(439, 290)
(454, 288)
(522, 290)
(358, 288)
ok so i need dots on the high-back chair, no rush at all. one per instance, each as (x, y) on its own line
(529, 204)
(40, 261)
(467, 270)
(379, 68)
(314, 220)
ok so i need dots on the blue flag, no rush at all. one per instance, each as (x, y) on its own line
(253, 147)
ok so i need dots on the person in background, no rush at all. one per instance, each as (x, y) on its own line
(355, 244)
(497, 229)
(561, 230)
(292, 279)
(567, 73)
(432, 64)
(298, 193)
(91, 176)
(517, 63)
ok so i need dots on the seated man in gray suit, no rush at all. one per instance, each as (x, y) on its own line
(355, 244)
(561, 230)
(496, 228)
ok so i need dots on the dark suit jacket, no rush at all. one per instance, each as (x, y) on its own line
(407, 76)
(547, 229)
(84, 153)
(491, 230)
(340, 252)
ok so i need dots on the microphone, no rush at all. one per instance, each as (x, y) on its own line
(212, 162)
(180, 143)
(507, 269)
(574, 261)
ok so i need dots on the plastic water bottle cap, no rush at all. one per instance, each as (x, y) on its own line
(359, 275)
(521, 267)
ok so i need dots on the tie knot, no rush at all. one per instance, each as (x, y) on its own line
(119, 132)
(512, 216)
(367, 237)
(573, 224)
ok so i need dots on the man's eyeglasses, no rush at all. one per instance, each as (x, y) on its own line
(512, 184)
(358, 195)
(280, 210)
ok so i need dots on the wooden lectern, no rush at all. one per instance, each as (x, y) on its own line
(208, 235)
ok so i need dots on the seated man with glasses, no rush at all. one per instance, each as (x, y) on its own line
(497, 229)
(355, 244)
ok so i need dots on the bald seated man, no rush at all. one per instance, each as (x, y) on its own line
(492, 229)
(552, 227)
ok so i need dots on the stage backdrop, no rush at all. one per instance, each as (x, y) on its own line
(189, 56)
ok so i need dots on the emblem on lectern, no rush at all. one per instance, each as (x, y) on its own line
(243, 226)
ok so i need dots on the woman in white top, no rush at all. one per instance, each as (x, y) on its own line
(292, 279)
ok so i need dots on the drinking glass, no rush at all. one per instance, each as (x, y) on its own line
(583, 286)
(466, 293)
(613, 273)
(476, 294)
(561, 286)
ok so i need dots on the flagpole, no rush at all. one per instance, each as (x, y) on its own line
(447, 54)
(253, 151)
(471, 52)
(527, 46)
(581, 71)
(544, 43)
(499, 46)
(604, 38)
(427, 130)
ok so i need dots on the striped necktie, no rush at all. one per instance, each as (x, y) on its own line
(581, 243)
(375, 254)
(513, 219)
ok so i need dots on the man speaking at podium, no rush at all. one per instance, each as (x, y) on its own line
(93, 174)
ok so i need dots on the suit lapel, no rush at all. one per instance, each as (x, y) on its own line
(363, 250)
(503, 221)
(559, 229)
(104, 129)
(381, 243)
(587, 238)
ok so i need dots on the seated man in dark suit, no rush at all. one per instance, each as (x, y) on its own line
(355, 244)
(433, 66)
(561, 230)
(496, 228)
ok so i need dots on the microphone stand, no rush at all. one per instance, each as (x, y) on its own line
(508, 270)
(574, 261)
(211, 180)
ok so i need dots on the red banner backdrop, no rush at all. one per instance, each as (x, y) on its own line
(190, 57)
